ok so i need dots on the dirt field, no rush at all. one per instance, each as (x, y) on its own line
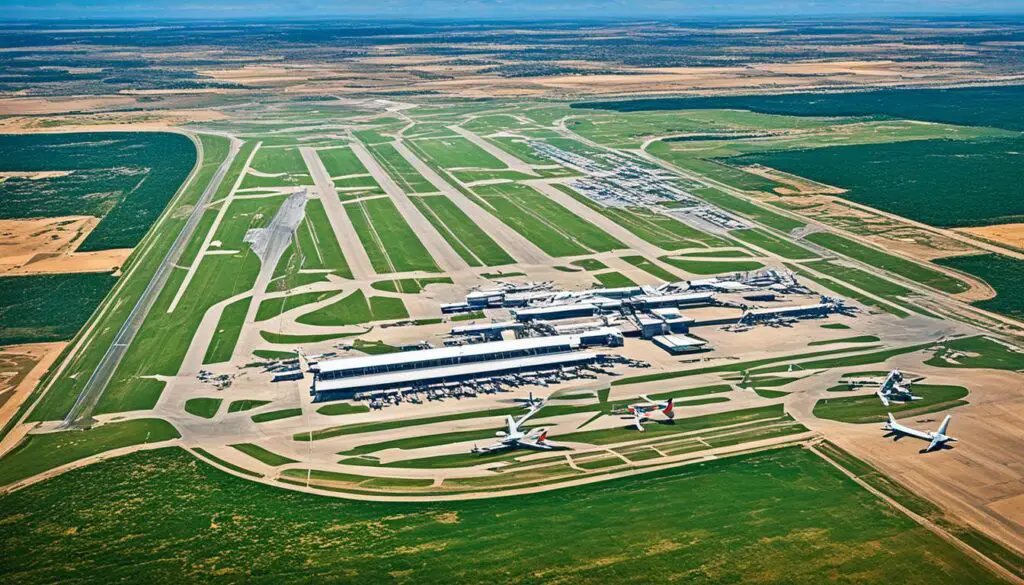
(46, 246)
(1010, 234)
(21, 366)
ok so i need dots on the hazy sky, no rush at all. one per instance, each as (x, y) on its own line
(498, 9)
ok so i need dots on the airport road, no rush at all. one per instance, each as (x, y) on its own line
(348, 239)
(104, 371)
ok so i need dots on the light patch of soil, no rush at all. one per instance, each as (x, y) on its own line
(32, 175)
(107, 121)
(800, 185)
(21, 367)
(1010, 234)
(23, 105)
(47, 246)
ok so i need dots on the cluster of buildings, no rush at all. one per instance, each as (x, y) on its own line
(551, 335)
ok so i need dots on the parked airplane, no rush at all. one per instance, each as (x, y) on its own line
(514, 438)
(641, 412)
(938, 439)
(893, 388)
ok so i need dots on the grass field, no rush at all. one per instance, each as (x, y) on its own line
(125, 178)
(614, 279)
(879, 259)
(229, 328)
(339, 408)
(651, 268)
(869, 409)
(544, 222)
(203, 407)
(654, 228)
(457, 152)
(848, 292)
(409, 285)
(341, 161)
(712, 267)
(773, 244)
(317, 244)
(405, 176)
(465, 237)
(977, 352)
(712, 539)
(245, 404)
(390, 243)
(1002, 273)
(355, 309)
(38, 453)
(284, 164)
(276, 415)
(49, 307)
(263, 455)
(271, 308)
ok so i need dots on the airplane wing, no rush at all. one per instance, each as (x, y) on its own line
(883, 398)
(637, 422)
(936, 442)
(535, 442)
(534, 409)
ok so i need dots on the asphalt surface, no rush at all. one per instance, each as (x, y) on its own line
(97, 383)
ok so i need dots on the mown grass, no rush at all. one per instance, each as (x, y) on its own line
(409, 285)
(854, 339)
(405, 176)
(355, 309)
(263, 455)
(773, 244)
(390, 243)
(276, 415)
(271, 308)
(38, 453)
(868, 409)
(553, 228)
(465, 237)
(317, 243)
(651, 268)
(753, 211)
(977, 352)
(798, 536)
(627, 432)
(614, 279)
(246, 404)
(229, 328)
(879, 259)
(203, 407)
(374, 427)
(712, 267)
(339, 408)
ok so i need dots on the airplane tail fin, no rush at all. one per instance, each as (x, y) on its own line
(669, 409)
(892, 419)
(543, 436)
(945, 424)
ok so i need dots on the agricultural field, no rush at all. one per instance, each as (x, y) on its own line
(124, 178)
(51, 307)
(924, 180)
(786, 482)
(1005, 275)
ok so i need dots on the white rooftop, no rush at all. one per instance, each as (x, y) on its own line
(463, 351)
(425, 375)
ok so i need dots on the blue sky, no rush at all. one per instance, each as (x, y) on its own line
(497, 9)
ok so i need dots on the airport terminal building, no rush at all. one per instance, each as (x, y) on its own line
(342, 378)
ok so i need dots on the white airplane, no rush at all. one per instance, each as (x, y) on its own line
(894, 389)
(514, 438)
(937, 439)
(641, 411)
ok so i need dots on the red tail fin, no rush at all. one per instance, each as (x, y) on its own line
(668, 407)
(543, 437)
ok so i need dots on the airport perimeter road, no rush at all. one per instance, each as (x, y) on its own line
(100, 377)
